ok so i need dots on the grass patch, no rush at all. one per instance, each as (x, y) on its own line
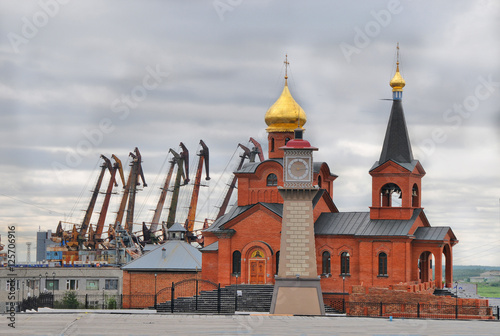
(488, 290)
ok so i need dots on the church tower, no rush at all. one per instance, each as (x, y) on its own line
(282, 118)
(396, 176)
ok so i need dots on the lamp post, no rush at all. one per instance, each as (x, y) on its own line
(156, 274)
(39, 284)
(456, 300)
(45, 287)
(343, 294)
(53, 282)
(236, 294)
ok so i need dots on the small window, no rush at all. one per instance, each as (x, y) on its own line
(93, 284)
(272, 145)
(319, 181)
(272, 180)
(344, 263)
(286, 140)
(326, 269)
(52, 284)
(277, 261)
(111, 284)
(382, 264)
(236, 262)
(71, 284)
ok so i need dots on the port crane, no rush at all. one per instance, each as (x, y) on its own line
(181, 159)
(189, 225)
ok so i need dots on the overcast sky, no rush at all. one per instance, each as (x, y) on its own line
(84, 78)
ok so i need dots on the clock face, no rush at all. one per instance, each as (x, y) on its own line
(298, 169)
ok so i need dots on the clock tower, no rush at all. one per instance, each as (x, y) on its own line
(297, 289)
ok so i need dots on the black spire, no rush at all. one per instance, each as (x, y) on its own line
(397, 146)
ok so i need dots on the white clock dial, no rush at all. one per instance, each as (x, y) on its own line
(298, 169)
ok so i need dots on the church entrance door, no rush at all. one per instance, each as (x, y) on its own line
(257, 265)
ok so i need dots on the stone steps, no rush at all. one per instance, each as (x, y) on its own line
(254, 298)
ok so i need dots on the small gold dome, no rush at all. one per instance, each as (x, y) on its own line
(397, 82)
(283, 115)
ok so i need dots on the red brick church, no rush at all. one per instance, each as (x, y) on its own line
(391, 243)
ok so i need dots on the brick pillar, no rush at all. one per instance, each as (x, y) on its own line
(438, 272)
(297, 250)
(297, 288)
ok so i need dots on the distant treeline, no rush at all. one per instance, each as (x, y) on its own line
(463, 273)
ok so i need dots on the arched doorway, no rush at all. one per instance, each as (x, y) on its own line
(257, 267)
(425, 267)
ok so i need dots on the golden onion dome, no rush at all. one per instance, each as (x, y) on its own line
(397, 82)
(285, 114)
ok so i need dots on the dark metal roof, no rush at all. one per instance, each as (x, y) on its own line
(407, 165)
(277, 208)
(432, 233)
(397, 146)
(211, 247)
(233, 212)
(360, 224)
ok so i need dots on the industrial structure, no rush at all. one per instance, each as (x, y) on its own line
(124, 239)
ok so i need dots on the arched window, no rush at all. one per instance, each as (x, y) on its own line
(236, 262)
(272, 145)
(382, 264)
(326, 269)
(344, 263)
(414, 196)
(319, 181)
(272, 180)
(277, 261)
(391, 195)
(286, 140)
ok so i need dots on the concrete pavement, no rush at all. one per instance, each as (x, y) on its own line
(166, 324)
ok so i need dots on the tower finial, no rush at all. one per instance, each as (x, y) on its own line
(397, 82)
(287, 64)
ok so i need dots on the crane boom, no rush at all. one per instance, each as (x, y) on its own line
(93, 199)
(163, 195)
(137, 172)
(257, 149)
(203, 154)
(181, 159)
(246, 154)
(117, 166)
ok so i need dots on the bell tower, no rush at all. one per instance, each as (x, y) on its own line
(396, 176)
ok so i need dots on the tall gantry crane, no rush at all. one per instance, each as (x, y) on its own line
(130, 189)
(94, 237)
(203, 154)
(181, 159)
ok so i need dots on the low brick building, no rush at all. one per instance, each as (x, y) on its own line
(148, 279)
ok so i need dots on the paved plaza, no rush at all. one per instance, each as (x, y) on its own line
(84, 323)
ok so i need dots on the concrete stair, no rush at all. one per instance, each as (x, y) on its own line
(445, 292)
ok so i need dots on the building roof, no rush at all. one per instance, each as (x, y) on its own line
(211, 247)
(432, 233)
(179, 256)
(176, 227)
(397, 146)
(360, 224)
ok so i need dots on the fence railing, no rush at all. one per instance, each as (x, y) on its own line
(410, 310)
